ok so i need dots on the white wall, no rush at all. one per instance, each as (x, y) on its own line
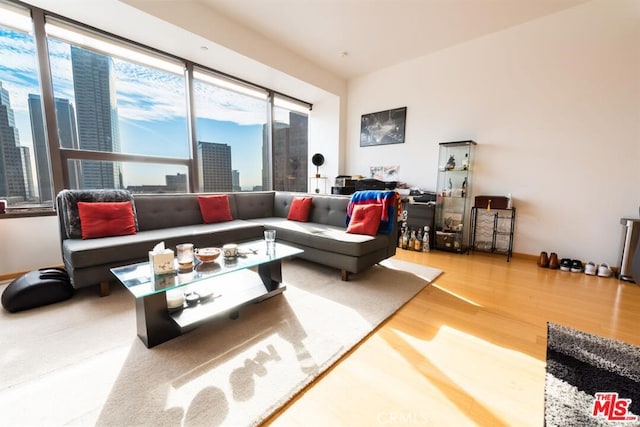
(324, 132)
(29, 243)
(553, 105)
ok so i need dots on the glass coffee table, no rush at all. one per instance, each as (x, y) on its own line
(222, 287)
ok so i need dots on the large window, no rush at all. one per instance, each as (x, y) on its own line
(232, 134)
(84, 109)
(25, 178)
(118, 100)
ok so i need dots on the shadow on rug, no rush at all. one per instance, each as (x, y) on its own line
(590, 380)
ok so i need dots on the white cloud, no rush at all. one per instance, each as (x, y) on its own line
(220, 104)
(143, 93)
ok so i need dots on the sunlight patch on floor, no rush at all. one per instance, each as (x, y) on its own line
(470, 363)
(458, 296)
(418, 399)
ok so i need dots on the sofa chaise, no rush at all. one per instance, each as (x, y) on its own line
(177, 218)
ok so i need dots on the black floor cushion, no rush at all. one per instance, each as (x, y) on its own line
(37, 288)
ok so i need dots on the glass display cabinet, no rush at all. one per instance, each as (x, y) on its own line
(453, 204)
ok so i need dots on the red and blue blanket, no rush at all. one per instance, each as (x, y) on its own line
(388, 200)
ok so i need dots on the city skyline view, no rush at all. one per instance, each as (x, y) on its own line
(151, 111)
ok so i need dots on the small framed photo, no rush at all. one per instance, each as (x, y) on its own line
(383, 127)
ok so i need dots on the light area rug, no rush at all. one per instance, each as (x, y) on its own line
(80, 362)
(581, 365)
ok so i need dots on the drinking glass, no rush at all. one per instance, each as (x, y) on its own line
(270, 236)
(185, 255)
(270, 239)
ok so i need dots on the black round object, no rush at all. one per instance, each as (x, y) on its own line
(37, 288)
(317, 159)
(192, 299)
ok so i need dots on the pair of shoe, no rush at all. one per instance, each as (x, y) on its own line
(572, 265)
(603, 270)
(548, 261)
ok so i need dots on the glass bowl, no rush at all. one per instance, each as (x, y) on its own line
(207, 254)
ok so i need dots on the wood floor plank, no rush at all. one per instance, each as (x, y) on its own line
(469, 349)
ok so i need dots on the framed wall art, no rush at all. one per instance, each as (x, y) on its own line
(383, 127)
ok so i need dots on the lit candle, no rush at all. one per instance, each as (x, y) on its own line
(175, 299)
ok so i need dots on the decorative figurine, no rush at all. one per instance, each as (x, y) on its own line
(451, 163)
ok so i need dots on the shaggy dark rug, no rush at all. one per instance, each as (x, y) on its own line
(590, 380)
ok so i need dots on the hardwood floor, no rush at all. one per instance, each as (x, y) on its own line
(468, 350)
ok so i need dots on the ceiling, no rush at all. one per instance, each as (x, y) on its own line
(356, 37)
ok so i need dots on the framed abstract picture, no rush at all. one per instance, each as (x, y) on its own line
(383, 127)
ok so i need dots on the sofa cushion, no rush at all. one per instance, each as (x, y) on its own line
(67, 205)
(254, 204)
(215, 208)
(159, 211)
(326, 209)
(388, 200)
(104, 219)
(323, 237)
(365, 219)
(121, 250)
(300, 209)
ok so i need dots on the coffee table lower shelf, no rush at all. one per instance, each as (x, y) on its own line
(230, 292)
(155, 324)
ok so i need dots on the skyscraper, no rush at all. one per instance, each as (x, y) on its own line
(12, 173)
(95, 97)
(177, 183)
(25, 159)
(67, 135)
(290, 154)
(235, 180)
(215, 166)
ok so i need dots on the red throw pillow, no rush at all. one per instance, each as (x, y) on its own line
(300, 209)
(104, 219)
(365, 219)
(215, 208)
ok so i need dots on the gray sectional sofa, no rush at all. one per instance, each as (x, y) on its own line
(176, 218)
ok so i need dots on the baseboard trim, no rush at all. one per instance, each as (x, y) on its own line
(525, 256)
(11, 276)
